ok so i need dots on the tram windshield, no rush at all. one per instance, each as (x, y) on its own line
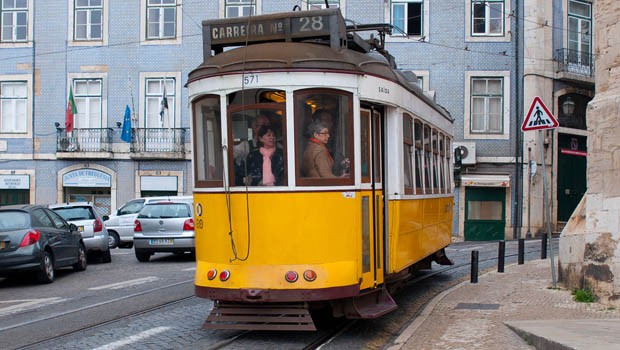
(256, 151)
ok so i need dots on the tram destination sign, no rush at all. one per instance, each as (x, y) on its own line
(288, 26)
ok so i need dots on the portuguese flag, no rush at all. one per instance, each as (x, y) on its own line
(71, 111)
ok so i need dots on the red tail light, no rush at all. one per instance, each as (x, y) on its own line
(31, 237)
(291, 276)
(224, 275)
(136, 226)
(97, 225)
(188, 225)
(211, 274)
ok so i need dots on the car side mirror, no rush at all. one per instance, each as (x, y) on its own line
(105, 218)
(73, 227)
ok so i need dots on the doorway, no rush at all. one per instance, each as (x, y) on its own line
(485, 213)
(572, 171)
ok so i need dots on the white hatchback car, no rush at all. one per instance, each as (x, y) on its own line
(90, 224)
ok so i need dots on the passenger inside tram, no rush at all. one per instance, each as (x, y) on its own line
(341, 163)
(265, 164)
(317, 160)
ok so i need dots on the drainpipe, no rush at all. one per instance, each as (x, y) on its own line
(518, 217)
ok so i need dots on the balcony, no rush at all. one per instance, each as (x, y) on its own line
(158, 143)
(84, 143)
(575, 66)
(98, 143)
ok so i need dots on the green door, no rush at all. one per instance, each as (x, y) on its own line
(485, 213)
(572, 162)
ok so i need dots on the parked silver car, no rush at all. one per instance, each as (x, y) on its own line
(165, 226)
(90, 224)
(120, 224)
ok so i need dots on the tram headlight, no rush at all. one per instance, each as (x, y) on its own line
(211, 274)
(309, 275)
(291, 276)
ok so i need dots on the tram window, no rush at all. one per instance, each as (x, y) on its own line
(435, 143)
(408, 153)
(365, 141)
(209, 165)
(377, 146)
(442, 162)
(323, 137)
(419, 162)
(448, 165)
(428, 162)
(258, 133)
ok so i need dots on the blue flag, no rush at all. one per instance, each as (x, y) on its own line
(126, 134)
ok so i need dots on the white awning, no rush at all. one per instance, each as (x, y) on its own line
(485, 180)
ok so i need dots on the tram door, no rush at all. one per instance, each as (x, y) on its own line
(372, 199)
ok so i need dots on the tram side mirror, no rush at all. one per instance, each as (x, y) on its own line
(458, 162)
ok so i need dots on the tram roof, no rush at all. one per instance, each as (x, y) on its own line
(289, 42)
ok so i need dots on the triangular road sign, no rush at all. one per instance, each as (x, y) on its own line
(539, 117)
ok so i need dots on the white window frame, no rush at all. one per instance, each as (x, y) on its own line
(226, 4)
(18, 43)
(161, 41)
(102, 77)
(88, 42)
(88, 117)
(27, 79)
(580, 20)
(320, 4)
(400, 37)
(505, 36)
(505, 134)
(173, 95)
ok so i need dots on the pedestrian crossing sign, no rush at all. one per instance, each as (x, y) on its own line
(539, 117)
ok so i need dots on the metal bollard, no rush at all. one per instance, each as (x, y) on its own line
(543, 247)
(521, 250)
(500, 256)
(474, 266)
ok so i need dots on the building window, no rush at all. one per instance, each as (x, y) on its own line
(88, 22)
(161, 19)
(487, 18)
(13, 107)
(87, 94)
(487, 105)
(320, 4)
(240, 8)
(14, 21)
(408, 17)
(158, 90)
(579, 32)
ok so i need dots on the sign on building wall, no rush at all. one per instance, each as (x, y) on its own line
(158, 183)
(86, 178)
(21, 182)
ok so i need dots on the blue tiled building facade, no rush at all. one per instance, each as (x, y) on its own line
(110, 54)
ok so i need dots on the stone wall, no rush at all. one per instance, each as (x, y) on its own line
(589, 251)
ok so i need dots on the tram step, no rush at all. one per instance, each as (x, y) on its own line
(370, 305)
(282, 317)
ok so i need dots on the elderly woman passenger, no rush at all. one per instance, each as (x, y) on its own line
(316, 161)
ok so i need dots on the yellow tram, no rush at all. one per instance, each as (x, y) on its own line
(322, 174)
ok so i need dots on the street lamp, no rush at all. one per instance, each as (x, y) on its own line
(568, 107)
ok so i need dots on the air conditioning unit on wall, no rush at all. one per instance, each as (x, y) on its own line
(468, 152)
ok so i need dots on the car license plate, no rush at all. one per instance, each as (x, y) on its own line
(80, 228)
(161, 241)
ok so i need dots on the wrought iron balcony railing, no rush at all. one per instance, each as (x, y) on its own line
(84, 140)
(576, 62)
(158, 140)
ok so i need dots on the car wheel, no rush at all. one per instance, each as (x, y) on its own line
(142, 255)
(46, 275)
(113, 240)
(106, 257)
(80, 265)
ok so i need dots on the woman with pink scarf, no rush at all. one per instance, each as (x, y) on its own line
(266, 163)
